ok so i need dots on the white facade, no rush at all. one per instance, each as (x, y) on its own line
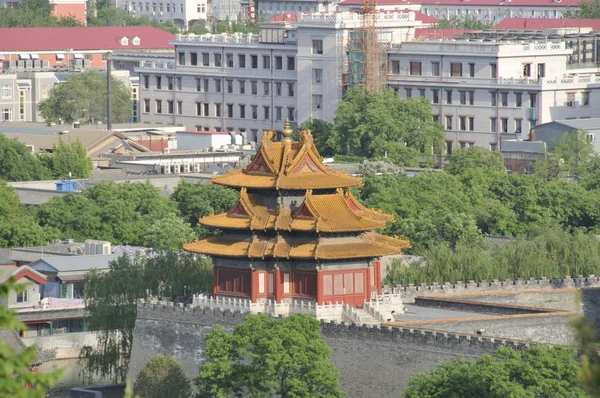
(181, 12)
(482, 92)
(268, 9)
(201, 140)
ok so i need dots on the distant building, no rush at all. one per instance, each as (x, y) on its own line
(552, 131)
(520, 156)
(181, 12)
(203, 140)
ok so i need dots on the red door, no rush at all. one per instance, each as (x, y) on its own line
(345, 286)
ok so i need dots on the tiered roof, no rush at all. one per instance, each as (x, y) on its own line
(295, 165)
(287, 165)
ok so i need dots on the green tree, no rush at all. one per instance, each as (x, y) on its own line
(381, 124)
(588, 9)
(538, 371)
(17, 227)
(266, 357)
(68, 160)
(463, 159)
(111, 304)
(168, 233)
(162, 377)
(571, 157)
(18, 164)
(82, 97)
(33, 13)
(466, 22)
(16, 379)
(321, 131)
(197, 201)
(119, 213)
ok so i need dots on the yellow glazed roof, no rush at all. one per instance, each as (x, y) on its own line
(287, 165)
(369, 244)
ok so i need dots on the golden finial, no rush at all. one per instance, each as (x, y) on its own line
(287, 132)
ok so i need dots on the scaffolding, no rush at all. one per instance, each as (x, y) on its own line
(367, 58)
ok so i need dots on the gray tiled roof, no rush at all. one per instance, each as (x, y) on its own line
(13, 340)
(74, 263)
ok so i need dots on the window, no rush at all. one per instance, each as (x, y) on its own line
(456, 69)
(471, 97)
(493, 99)
(198, 84)
(290, 89)
(218, 112)
(504, 99)
(436, 118)
(278, 63)
(22, 297)
(435, 96)
(590, 137)
(242, 111)
(229, 110)
(266, 88)
(518, 126)
(179, 107)
(493, 71)
(181, 58)
(242, 86)
(278, 89)
(291, 114)
(493, 146)
(570, 99)
(541, 70)
(241, 60)
(254, 112)
(158, 82)
(518, 100)
(229, 86)
(146, 82)
(421, 92)
(408, 92)
(229, 60)
(254, 87)
(415, 69)
(509, 169)
(170, 83)
(317, 75)
(291, 63)
(6, 115)
(158, 106)
(471, 121)
(178, 80)
(463, 97)
(532, 100)
(205, 59)
(504, 125)
(217, 60)
(448, 122)
(217, 85)
(435, 68)
(462, 123)
(449, 97)
(267, 112)
(317, 46)
(448, 147)
(194, 59)
(266, 62)
(254, 61)
(147, 106)
(278, 113)
(317, 101)
(493, 125)
(396, 67)
(170, 107)
(526, 70)
(585, 98)
(205, 110)
(471, 70)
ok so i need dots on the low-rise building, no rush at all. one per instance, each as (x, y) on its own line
(552, 131)
(520, 156)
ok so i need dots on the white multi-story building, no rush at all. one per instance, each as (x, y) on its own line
(249, 83)
(180, 12)
(271, 8)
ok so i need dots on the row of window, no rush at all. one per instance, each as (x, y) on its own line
(204, 59)
(457, 69)
(216, 110)
(168, 6)
(467, 123)
(467, 97)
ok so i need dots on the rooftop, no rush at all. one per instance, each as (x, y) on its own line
(591, 124)
(473, 3)
(74, 263)
(83, 38)
(546, 23)
(438, 34)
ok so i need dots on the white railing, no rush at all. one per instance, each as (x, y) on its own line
(248, 38)
(544, 46)
(339, 17)
(157, 65)
(350, 314)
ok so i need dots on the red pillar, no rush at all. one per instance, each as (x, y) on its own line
(319, 288)
(277, 286)
(253, 285)
(215, 281)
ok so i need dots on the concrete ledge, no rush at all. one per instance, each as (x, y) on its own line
(476, 306)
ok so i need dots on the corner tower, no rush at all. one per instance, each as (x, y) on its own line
(296, 232)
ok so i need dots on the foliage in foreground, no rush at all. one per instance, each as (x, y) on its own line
(15, 375)
(538, 371)
(111, 304)
(162, 377)
(17, 227)
(266, 357)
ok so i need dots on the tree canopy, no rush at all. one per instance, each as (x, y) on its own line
(321, 131)
(463, 22)
(68, 160)
(464, 159)
(162, 377)
(17, 163)
(17, 226)
(82, 97)
(379, 125)
(16, 379)
(538, 371)
(571, 158)
(588, 9)
(33, 13)
(111, 304)
(266, 357)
